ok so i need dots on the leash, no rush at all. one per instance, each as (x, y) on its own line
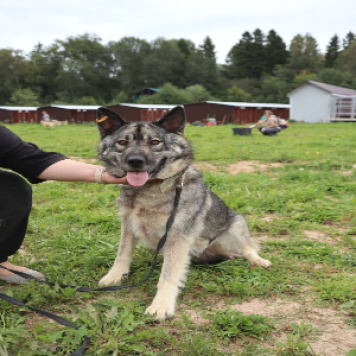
(65, 322)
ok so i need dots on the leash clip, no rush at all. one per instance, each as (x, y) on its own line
(181, 179)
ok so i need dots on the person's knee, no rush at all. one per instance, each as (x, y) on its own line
(16, 190)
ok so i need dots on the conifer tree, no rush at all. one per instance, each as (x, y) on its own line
(348, 40)
(208, 48)
(276, 51)
(259, 54)
(332, 52)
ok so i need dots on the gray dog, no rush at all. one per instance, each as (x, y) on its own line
(154, 156)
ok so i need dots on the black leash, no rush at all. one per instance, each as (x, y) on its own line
(66, 322)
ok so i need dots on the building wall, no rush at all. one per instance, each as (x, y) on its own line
(18, 116)
(200, 111)
(310, 104)
(128, 113)
(234, 115)
(6, 116)
(152, 114)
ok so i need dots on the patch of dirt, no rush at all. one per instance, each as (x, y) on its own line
(204, 166)
(329, 336)
(270, 218)
(346, 173)
(319, 236)
(24, 253)
(251, 166)
(195, 317)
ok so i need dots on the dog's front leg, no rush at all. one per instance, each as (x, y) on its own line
(123, 259)
(174, 270)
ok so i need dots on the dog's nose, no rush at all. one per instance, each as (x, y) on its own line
(136, 162)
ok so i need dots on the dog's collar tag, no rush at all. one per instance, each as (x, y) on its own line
(167, 182)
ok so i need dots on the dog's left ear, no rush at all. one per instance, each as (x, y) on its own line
(108, 121)
(173, 121)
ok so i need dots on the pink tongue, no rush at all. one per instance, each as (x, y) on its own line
(137, 178)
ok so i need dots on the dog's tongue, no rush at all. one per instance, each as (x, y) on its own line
(137, 178)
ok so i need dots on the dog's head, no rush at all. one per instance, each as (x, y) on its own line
(143, 150)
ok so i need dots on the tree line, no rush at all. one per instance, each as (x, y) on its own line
(259, 68)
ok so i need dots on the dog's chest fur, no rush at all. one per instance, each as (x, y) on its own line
(145, 212)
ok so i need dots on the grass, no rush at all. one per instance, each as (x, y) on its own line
(74, 233)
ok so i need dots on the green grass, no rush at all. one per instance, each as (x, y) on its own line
(74, 234)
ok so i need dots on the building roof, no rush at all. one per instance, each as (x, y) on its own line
(332, 89)
(149, 106)
(74, 107)
(248, 105)
(19, 108)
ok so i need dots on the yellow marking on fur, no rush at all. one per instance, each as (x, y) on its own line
(102, 119)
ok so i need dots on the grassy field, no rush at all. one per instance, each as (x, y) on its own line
(298, 194)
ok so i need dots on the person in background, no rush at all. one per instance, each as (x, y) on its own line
(272, 123)
(45, 116)
(16, 194)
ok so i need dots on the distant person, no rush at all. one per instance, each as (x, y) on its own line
(272, 122)
(45, 116)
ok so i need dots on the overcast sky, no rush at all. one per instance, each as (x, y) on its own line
(23, 23)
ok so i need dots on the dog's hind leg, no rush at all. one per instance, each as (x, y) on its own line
(237, 241)
(173, 274)
(123, 259)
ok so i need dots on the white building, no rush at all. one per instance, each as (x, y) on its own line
(319, 102)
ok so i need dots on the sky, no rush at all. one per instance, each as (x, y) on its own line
(24, 23)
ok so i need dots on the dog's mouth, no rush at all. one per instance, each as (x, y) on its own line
(137, 179)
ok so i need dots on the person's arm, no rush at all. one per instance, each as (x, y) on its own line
(74, 171)
(260, 122)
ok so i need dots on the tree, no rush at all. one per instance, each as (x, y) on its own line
(274, 88)
(129, 55)
(332, 76)
(236, 94)
(259, 54)
(186, 47)
(276, 51)
(332, 52)
(170, 94)
(304, 54)
(16, 73)
(24, 97)
(347, 61)
(197, 93)
(303, 77)
(348, 40)
(208, 48)
(243, 57)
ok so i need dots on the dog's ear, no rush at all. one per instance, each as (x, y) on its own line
(108, 121)
(173, 121)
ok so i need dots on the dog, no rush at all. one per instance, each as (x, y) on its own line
(155, 157)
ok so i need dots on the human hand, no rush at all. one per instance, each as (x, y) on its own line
(107, 178)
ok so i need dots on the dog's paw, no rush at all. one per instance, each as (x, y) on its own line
(162, 310)
(261, 262)
(111, 279)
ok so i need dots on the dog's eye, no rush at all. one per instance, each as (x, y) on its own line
(155, 142)
(122, 143)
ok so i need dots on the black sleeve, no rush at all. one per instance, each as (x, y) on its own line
(24, 157)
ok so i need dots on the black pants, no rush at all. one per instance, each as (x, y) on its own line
(15, 207)
(269, 131)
